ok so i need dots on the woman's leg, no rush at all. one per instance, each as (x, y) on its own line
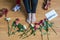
(28, 10)
(27, 5)
(33, 10)
(34, 5)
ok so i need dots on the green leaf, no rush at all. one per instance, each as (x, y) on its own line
(31, 27)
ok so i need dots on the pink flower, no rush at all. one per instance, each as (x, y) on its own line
(45, 19)
(41, 21)
(1, 13)
(5, 11)
(35, 27)
(36, 23)
(17, 21)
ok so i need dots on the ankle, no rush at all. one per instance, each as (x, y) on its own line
(29, 15)
(33, 17)
(29, 18)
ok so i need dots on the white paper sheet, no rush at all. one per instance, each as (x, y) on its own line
(51, 15)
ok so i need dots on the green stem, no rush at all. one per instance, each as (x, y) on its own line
(24, 33)
(8, 29)
(47, 36)
(27, 36)
(30, 34)
(53, 30)
(41, 32)
(41, 35)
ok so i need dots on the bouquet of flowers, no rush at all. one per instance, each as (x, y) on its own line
(45, 24)
(17, 26)
(42, 25)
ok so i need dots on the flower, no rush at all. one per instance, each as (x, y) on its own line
(8, 19)
(35, 27)
(32, 25)
(45, 19)
(24, 27)
(1, 13)
(36, 23)
(5, 11)
(41, 21)
(17, 19)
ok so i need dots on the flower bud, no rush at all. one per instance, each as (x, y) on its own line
(24, 27)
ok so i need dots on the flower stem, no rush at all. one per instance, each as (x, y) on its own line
(47, 36)
(8, 29)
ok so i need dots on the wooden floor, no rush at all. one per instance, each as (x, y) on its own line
(55, 4)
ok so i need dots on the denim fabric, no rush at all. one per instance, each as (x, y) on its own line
(30, 8)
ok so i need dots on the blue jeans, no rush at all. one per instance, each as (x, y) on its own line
(30, 8)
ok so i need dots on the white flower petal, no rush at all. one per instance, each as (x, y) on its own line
(24, 27)
(8, 19)
(32, 25)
